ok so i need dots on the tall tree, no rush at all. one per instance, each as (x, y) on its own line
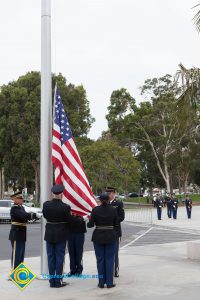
(156, 123)
(106, 163)
(20, 123)
(197, 18)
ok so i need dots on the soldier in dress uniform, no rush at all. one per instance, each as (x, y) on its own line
(75, 247)
(169, 206)
(59, 218)
(188, 205)
(104, 239)
(159, 205)
(17, 236)
(121, 215)
(174, 202)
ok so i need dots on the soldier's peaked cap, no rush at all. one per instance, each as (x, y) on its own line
(110, 189)
(17, 195)
(57, 189)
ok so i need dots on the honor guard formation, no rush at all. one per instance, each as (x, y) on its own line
(65, 229)
(172, 205)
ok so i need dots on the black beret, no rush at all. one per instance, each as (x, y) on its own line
(57, 189)
(104, 196)
(110, 189)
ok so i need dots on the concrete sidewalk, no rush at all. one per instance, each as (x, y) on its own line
(182, 221)
(149, 272)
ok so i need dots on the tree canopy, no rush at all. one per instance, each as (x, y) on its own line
(108, 164)
(20, 123)
(159, 128)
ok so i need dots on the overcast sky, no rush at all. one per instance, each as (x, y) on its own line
(102, 44)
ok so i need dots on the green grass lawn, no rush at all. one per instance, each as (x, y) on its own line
(142, 200)
(195, 198)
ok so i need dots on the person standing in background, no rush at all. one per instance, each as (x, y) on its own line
(169, 205)
(159, 205)
(188, 205)
(174, 202)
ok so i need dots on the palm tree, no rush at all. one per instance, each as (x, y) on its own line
(197, 18)
(190, 83)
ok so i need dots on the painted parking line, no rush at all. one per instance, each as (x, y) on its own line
(137, 238)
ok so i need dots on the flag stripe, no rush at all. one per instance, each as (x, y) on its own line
(68, 168)
(77, 171)
(71, 194)
(67, 152)
(75, 184)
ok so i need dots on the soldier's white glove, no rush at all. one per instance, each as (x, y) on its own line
(39, 215)
(86, 219)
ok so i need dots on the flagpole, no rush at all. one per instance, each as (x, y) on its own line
(46, 120)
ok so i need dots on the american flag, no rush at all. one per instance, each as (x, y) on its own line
(68, 168)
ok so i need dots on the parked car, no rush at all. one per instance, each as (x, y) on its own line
(122, 196)
(134, 194)
(5, 206)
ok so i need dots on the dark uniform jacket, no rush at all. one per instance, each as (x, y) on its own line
(159, 203)
(102, 217)
(188, 203)
(19, 215)
(59, 218)
(77, 227)
(119, 206)
(168, 201)
(174, 202)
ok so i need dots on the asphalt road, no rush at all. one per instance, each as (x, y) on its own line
(34, 238)
(131, 231)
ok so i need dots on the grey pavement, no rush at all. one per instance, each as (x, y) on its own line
(153, 265)
(34, 238)
(146, 272)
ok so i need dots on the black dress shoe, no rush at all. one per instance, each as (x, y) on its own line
(116, 274)
(62, 285)
(101, 286)
(111, 286)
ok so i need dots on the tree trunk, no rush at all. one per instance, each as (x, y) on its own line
(3, 181)
(37, 186)
(167, 177)
(179, 184)
(185, 182)
(24, 182)
(36, 168)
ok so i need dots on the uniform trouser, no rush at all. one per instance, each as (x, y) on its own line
(169, 211)
(189, 212)
(174, 212)
(105, 254)
(56, 256)
(159, 212)
(75, 248)
(18, 252)
(116, 264)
